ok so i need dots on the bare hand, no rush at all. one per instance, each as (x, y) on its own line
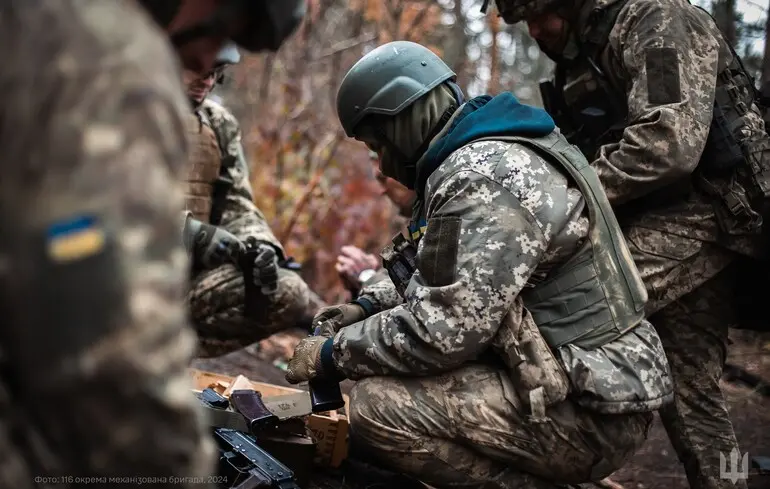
(352, 261)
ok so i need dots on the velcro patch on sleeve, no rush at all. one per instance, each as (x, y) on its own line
(662, 67)
(437, 260)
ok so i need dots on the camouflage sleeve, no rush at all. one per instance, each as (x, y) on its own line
(480, 248)
(381, 293)
(669, 61)
(97, 329)
(240, 214)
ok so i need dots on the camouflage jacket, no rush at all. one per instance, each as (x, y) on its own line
(217, 296)
(380, 291)
(240, 214)
(499, 219)
(664, 57)
(95, 342)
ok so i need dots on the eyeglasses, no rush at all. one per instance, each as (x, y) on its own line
(215, 73)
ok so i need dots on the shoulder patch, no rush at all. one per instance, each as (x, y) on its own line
(74, 238)
(662, 67)
(437, 260)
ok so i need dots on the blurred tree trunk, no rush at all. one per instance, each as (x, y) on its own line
(456, 44)
(766, 57)
(494, 54)
(724, 14)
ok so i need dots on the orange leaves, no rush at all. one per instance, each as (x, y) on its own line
(399, 19)
(315, 186)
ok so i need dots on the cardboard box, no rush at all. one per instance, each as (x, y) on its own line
(329, 429)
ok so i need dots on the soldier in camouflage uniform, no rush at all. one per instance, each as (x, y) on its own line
(219, 193)
(658, 101)
(518, 356)
(95, 341)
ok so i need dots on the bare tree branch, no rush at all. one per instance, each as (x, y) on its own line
(344, 45)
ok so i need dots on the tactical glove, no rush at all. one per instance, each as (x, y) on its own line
(210, 246)
(306, 362)
(263, 260)
(331, 319)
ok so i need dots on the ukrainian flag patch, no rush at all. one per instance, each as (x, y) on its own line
(74, 239)
(417, 229)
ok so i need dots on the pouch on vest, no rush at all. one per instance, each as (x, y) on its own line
(202, 168)
(735, 167)
(536, 375)
(400, 260)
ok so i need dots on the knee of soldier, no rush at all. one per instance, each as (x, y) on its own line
(367, 403)
(379, 412)
(215, 291)
(293, 296)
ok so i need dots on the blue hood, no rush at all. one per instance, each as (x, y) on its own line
(483, 117)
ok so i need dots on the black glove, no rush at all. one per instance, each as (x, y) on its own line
(210, 246)
(263, 261)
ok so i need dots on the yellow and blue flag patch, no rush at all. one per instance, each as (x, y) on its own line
(75, 238)
(417, 229)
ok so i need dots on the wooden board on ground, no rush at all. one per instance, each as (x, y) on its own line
(329, 429)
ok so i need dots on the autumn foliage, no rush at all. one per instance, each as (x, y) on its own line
(316, 186)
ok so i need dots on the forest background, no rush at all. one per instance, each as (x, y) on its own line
(316, 186)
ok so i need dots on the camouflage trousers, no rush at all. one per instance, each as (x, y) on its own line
(691, 289)
(466, 429)
(217, 310)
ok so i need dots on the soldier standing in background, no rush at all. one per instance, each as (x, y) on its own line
(662, 106)
(95, 342)
(234, 304)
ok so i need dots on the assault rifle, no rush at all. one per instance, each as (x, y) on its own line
(236, 423)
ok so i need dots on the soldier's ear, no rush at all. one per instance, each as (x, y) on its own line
(220, 79)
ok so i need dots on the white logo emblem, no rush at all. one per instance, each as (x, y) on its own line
(736, 472)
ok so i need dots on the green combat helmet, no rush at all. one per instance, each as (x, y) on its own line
(387, 80)
(513, 11)
(267, 23)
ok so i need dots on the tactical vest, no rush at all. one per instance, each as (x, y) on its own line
(591, 110)
(593, 298)
(598, 295)
(203, 168)
(224, 182)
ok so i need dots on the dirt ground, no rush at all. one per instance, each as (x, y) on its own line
(655, 466)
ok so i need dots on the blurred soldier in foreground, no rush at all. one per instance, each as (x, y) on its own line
(661, 105)
(358, 268)
(519, 357)
(233, 304)
(95, 342)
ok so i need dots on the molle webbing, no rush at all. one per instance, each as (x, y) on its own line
(202, 169)
(597, 295)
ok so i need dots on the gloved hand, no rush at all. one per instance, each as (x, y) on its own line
(331, 319)
(306, 362)
(210, 246)
(264, 265)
